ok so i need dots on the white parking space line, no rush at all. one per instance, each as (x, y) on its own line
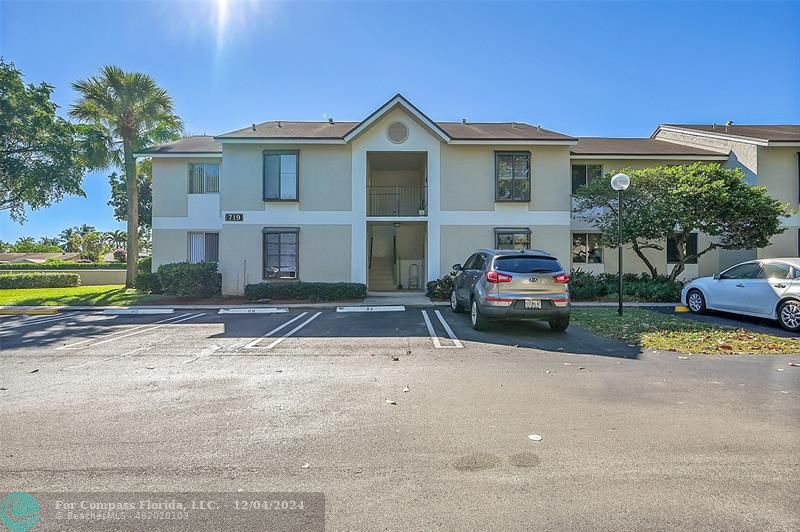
(288, 334)
(382, 308)
(130, 332)
(252, 345)
(435, 338)
(450, 332)
(254, 310)
(31, 322)
(139, 311)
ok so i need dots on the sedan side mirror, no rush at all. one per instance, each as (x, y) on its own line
(457, 267)
(716, 277)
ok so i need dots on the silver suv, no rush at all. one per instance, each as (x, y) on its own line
(512, 285)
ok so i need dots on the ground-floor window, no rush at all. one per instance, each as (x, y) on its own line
(512, 238)
(281, 249)
(586, 248)
(691, 249)
(203, 247)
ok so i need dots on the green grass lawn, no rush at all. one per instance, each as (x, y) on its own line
(665, 332)
(79, 295)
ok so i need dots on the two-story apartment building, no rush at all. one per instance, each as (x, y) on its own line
(395, 199)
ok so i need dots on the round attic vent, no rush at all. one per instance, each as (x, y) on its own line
(397, 132)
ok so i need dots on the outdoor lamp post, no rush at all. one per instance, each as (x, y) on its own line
(619, 183)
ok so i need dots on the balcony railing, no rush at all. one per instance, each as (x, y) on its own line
(396, 201)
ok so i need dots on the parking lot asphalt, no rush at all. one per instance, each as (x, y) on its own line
(198, 401)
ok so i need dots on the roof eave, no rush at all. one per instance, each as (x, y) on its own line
(708, 134)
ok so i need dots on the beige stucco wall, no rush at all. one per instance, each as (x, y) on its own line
(320, 255)
(169, 245)
(742, 155)
(325, 177)
(171, 185)
(782, 245)
(460, 241)
(468, 177)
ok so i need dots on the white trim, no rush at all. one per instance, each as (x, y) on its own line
(521, 218)
(205, 155)
(783, 144)
(501, 142)
(718, 136)
(269, 140)
(379, 308)
(388, 107)
(599, 157)
(279, 217)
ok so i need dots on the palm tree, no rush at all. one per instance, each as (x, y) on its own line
(65, 237)
(116, 238)
(49, 241)
(128, 111)
(86, 229)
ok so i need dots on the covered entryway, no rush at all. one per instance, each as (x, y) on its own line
(396, 256)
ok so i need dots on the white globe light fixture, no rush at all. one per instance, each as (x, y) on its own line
(619, 183)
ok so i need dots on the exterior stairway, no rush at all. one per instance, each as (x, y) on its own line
(381, 275)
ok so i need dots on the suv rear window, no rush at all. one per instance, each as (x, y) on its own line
(527, 264)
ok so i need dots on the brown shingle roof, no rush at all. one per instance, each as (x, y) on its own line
(637, 147)
(188, 145)
(499, 131)
(456, 130)
(283, 129)
(770, 133)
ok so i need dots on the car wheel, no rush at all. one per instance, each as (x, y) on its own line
(696, 302)
(478, 321)
(559, 324)
(455, 306)
(789, 315)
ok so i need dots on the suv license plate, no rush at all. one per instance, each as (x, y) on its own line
(533, 303)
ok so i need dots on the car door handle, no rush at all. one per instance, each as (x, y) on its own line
(740, 285)
(780, 286)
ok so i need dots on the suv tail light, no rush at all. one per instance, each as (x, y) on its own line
(561, 278)
(495, 277)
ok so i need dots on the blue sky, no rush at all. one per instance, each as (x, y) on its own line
(590, 68)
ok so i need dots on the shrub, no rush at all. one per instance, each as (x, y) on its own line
(585, 286)
(184, 279)
(39, 280)
(146, 264)
(298, 290)
(58, 264)
(147, 283)
(440, 288)
(120, 255)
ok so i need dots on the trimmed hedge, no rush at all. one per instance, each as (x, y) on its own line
(147, 283)
(440, 288)
(64, 265)
(39, 280)
(184, 279)
(300, 291)
(586, 286)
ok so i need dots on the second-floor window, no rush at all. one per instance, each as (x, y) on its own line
(281, 175)
(203, 178)
(583, 174)
(512, 176)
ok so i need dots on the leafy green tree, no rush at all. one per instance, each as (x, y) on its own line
(674, 201)
(129, 111)
(42, 156)
(28, 244)
(91, 246)
(50, 242)
(119, 194)
(85, 229)
(116, 238)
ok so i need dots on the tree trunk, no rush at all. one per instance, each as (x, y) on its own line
(133, 213)
(640, 253)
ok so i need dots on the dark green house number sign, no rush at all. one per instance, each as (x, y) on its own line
(234, 217)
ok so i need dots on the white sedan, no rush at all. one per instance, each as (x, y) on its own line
(767, 288)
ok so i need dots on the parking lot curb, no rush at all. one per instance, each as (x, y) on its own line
(178, 308)
(28, 311)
